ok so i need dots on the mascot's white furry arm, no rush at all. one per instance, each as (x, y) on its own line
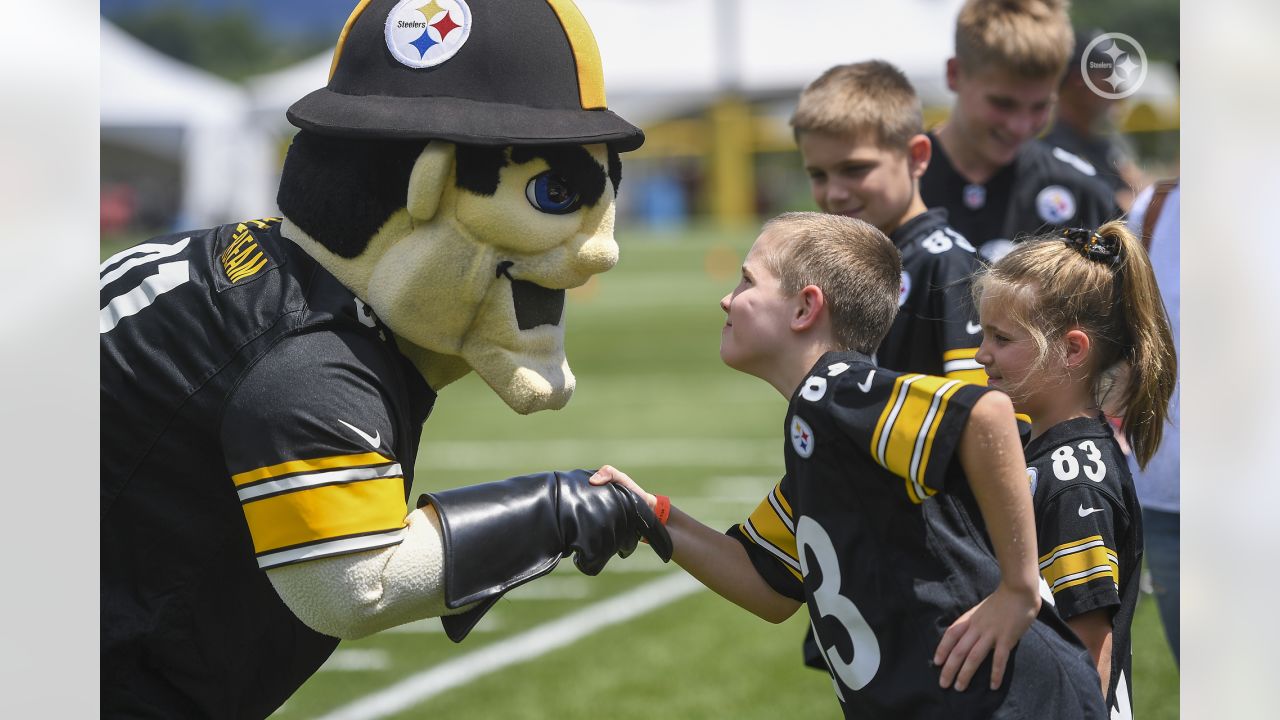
(453, 180)
(351, 596)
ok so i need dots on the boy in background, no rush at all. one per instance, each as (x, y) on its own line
(861, 136)
(894, 483)
(998, 181)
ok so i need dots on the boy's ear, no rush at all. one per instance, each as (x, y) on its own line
(919, 152)
(810, 303)
(1078, 345)
(953, 73)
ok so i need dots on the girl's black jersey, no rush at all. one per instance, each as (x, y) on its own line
(875, 528)
(1089, 526)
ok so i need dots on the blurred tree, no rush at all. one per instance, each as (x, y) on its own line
(229, 42)
(1153, 23)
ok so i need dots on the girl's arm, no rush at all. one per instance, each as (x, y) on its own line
(991, 455)
(715, 559)
(1094, 629)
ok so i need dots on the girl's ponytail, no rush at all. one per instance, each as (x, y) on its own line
(1146, 343)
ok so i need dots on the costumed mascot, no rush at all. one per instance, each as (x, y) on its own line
(264, 384)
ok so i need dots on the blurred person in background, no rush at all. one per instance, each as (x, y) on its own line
(996, 180)
(1156, 216)
(1083, 124)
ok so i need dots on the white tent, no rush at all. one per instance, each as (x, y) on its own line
(169, 108)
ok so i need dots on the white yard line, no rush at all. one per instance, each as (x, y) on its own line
(518, 648)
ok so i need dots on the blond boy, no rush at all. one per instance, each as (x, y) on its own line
(876, 526)
(861, 136)
(998, 181)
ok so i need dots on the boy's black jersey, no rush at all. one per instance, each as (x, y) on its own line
(254, 413)
(875, 528)
(1044, 188)
(936, 331)
(1089, 526)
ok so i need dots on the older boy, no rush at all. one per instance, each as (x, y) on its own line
(996, 180)
(861, 135)
(889, 479)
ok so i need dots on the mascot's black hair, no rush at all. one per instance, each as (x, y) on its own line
(340, 191)
(478, 167)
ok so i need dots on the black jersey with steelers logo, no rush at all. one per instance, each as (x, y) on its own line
(254, 413)
(1043, 189)
(1089, 526)
(875, 528)
(936, 331)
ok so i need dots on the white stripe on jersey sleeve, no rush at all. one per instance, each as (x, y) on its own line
(922, 437)
(951, 366)
(333, 547)
(773, 549)
(325, 477)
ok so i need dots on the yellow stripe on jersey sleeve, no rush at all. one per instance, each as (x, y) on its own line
(962, 364)
(312, 465)
(903, 438)
(766, 528)
(326, 512)
(1078, 562)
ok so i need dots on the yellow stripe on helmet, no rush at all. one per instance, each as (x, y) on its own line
(586, 54)
(342, 37)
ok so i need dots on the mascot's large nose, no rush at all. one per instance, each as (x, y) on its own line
(596, 254)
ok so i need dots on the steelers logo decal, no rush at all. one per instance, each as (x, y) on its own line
(904, 289)
(1033, 476)
(801, 437)
(425, 33)
(1055, 204)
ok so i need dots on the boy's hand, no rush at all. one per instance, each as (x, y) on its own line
(992, 626)
(609, 473)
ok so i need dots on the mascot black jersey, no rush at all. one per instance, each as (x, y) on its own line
(936, 331)
(875, 528)
(1044, 188)
(1089, 526)
(254, 414)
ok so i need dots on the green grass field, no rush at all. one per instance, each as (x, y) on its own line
(653, 399)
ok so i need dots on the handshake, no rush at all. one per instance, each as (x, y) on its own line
(500, 535)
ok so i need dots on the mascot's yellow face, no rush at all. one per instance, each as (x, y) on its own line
(482, 275)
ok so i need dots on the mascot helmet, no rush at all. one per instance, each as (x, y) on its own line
(408, 69)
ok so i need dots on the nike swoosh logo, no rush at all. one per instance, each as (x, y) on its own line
(374, 440)
(865, 385)
(1086, 512)
(973, 328)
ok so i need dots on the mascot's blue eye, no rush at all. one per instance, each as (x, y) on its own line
(552, 194)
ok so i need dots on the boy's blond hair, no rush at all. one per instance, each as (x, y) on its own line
(857, 268)
(1030, 39)
(870, 100)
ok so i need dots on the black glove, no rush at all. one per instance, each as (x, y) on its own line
(503, 534)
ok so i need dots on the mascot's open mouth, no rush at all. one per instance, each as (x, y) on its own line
(534, 304)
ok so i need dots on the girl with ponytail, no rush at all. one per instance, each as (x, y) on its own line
(1072, 323)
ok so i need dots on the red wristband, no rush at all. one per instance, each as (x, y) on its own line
(662, 509)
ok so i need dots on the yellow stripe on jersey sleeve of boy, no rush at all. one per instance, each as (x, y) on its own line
(904, 434)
